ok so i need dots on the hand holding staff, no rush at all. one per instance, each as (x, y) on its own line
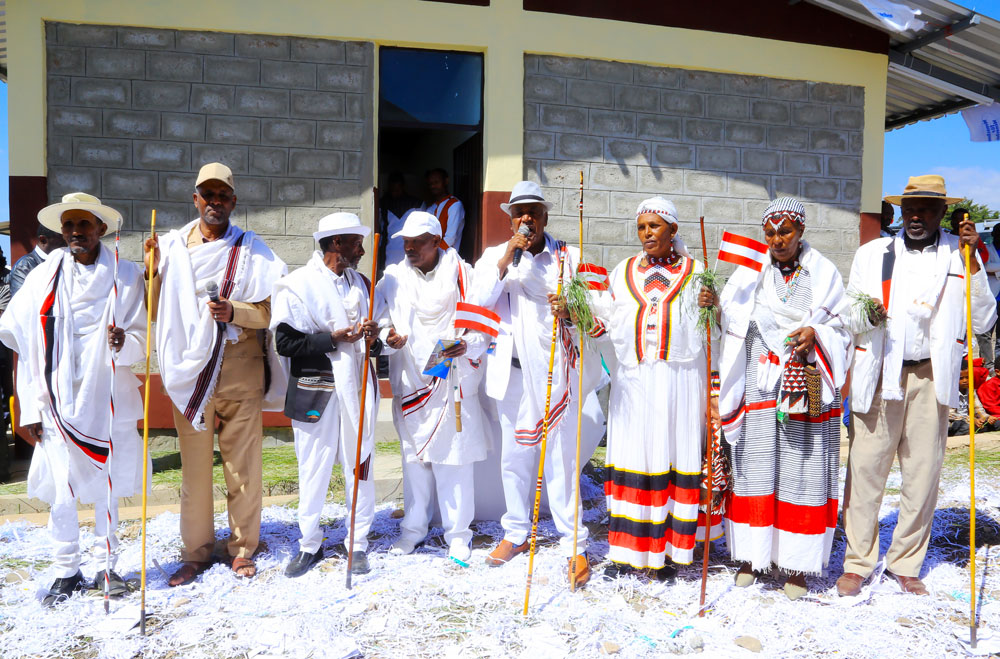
(579, 425)
(972, 448)
(145, 431)
(361, 421)
(541, 456)
(708, 440)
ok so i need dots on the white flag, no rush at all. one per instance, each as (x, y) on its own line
(896, 17)
(983, 122)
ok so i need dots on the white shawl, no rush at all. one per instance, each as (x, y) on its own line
(309, 301)
(64, 372)
(880, 350)
(751, 295)
(189, 342)
(423, 309)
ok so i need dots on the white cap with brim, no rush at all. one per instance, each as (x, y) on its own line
(336, 224)
(50, 217)
(525, 192)
(417, 224)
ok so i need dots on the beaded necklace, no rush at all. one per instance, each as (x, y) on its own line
(791, 279)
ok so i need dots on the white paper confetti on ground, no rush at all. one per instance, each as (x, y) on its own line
(425, 605)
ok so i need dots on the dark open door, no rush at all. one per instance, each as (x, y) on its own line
(468, 186)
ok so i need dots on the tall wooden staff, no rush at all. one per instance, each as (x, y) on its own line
(361, 421)
(145, 432)
(545, 437)
(579, 421)
(972, 451)
(111, 430)
(709, 453)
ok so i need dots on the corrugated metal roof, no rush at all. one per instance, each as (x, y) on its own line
(959, 70)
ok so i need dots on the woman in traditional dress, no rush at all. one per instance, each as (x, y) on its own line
(785, 353)
(656, 424)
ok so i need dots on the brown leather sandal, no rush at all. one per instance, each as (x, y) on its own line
(244, 567)
(187, 573)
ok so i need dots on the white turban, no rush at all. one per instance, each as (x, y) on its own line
(665, 209)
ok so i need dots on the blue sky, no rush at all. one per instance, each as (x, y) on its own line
(942, 146)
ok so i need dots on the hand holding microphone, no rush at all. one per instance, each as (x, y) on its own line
(524, 230)
(221, 310)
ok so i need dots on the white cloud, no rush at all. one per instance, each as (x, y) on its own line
(980, 184)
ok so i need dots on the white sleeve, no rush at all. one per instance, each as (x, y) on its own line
(456, 223)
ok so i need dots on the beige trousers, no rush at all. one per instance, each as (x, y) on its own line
(240, 438)
(915, 429)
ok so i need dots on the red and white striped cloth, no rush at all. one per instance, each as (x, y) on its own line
(595, 276)
(743, 251)
(481, 319)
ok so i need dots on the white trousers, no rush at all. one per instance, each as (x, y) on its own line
(64, 528)
(318, 446)
(456, 498)
(519, 471)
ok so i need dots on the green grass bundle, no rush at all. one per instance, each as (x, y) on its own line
(711, 280)
(865, 307)
(578, 304)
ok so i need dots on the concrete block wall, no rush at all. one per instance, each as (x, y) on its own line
(134, 112)
(718, 145)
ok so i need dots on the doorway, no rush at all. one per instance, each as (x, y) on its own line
(430, 116)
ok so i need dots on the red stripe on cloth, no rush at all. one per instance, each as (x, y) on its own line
(651, 545)
(743, 241)
(765, 510)
(473, 308)
(651, 497)
(756, 266)
(479, 327)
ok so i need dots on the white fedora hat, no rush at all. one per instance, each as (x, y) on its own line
(417, 224)
(336, 224)
(50, 217)
(525, 192)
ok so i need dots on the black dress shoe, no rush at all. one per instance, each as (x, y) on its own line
(359, 563)
(617, 571)
(301, 563)
(116, 585)
(61, 589)
(667, 573)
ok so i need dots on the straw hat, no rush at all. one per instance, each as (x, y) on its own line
(928, 186)
(50, 217)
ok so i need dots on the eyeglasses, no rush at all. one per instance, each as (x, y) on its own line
(211, 195)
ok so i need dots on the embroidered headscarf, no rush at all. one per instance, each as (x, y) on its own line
(665, 209)
(784, 208)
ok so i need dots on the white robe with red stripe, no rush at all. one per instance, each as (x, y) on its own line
(422, 307)
(783, 506)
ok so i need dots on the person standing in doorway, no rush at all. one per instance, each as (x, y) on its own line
(446, 208)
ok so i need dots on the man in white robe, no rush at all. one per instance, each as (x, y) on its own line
(905, 377)
(212, 300)
(524, 298)
(72, 366)
(422, 293)
(319, 317)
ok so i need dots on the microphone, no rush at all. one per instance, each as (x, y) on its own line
(212, 288)
(524, 231)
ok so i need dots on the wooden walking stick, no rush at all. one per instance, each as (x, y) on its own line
(111, 430)
(709, 453)
(361, 421)
(579, 422)
(972, 450)
(541, 456)
(145, 432)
